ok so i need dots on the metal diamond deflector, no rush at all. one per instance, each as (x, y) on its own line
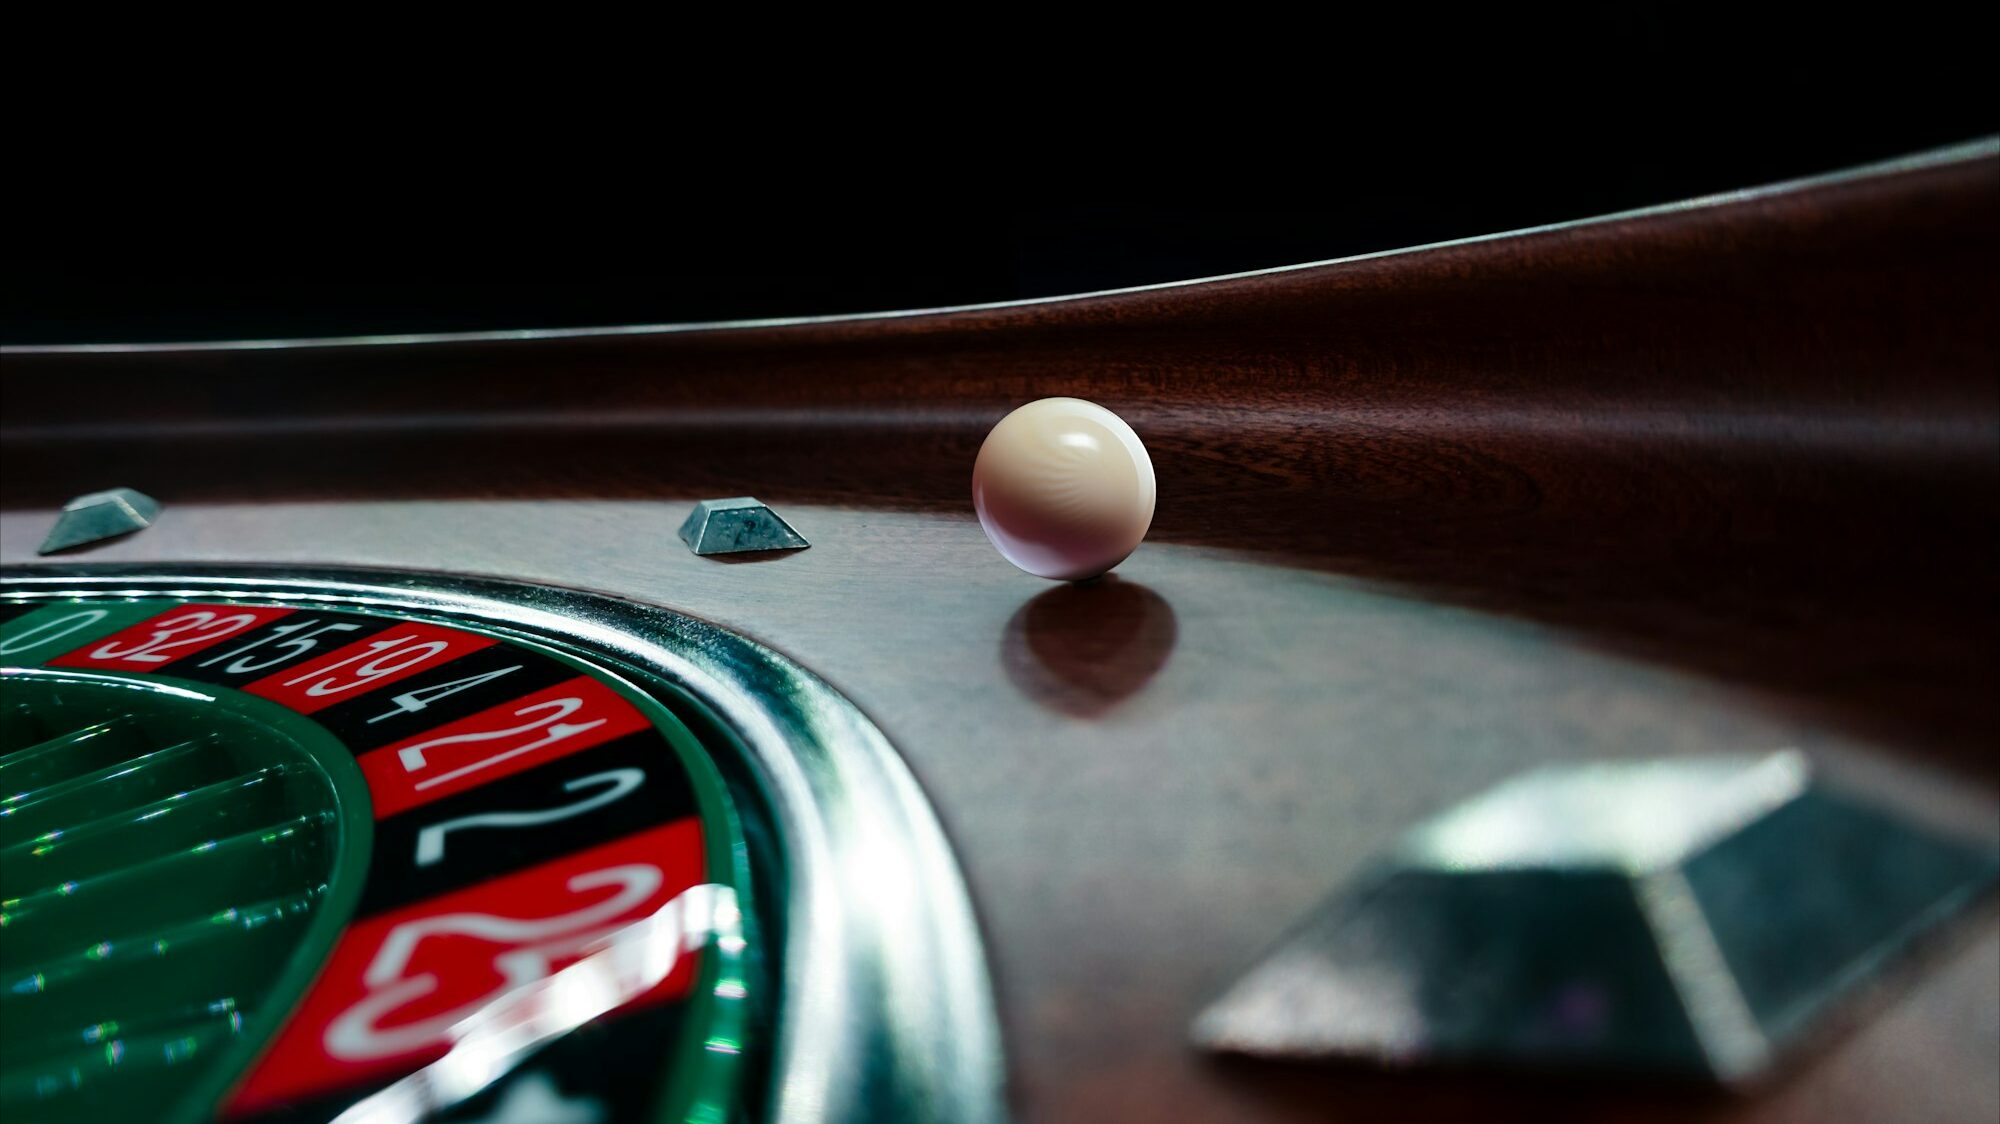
(99, 516)
(1689, 917)
(736, 526)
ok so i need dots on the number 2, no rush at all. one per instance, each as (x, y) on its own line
(621, 782)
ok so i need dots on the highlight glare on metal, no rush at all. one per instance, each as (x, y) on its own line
(738, 526)
(887, 1011)
(492, 1042)
(1631, 816)
(1694, 916)
(99, 516)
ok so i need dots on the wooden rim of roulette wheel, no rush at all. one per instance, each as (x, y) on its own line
(295, 841)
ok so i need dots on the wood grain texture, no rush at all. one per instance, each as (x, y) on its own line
(1758, 437)
(1719, 477)
(1148, 780)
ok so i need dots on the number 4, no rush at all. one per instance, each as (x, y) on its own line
(422, 697)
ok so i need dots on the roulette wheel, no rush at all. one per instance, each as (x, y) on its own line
(274, 843)
(1554, 680)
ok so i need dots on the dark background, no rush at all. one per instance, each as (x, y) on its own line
(1372, 139)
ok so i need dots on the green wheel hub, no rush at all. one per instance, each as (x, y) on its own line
(175, 863)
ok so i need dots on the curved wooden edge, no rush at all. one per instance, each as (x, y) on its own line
(1971, 150)
(1759, 435)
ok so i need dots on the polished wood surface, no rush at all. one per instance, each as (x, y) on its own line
(1148, 780)
(1716, 477)
(1757, 437)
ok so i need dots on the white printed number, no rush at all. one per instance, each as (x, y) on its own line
(384, 657)
(177, 632)
(359, 1033)
(290, 649)
(48, 632)
(618, 783)
(422, 697)
(551, 724)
